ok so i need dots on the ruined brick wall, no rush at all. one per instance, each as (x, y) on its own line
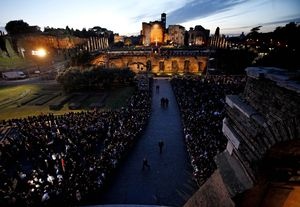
(266, 113)
(195, 64)
(35, 41)
(272, 100)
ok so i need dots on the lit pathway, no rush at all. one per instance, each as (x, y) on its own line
(168, 182)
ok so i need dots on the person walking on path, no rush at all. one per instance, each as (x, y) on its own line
(160, 145)
(157, 88)
(162, 102)
(145, 164)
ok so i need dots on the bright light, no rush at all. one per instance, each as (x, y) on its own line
(40, 52)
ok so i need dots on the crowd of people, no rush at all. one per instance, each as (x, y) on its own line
(66, 159)
(201, 102)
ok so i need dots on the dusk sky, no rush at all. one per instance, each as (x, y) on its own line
(126, 16)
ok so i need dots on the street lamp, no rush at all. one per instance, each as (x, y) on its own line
(40, 52)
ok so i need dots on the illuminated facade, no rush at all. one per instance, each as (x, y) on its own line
(146, 30)
(153, 33)
(141, 61)
(218, 42)
(198, 36)
(118, 38)
(176, 34)
(156, 33)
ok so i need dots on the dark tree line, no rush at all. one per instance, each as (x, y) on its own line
(286, 44)
(233, 61)
(282, 47)
(81, 59)
(74, 79)
(18, 27)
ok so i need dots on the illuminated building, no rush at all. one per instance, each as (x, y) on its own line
(176, 34)
(153, 33)
(146, 29)
(156, 33)
(118, 38)
(218, 41)
(198, 36)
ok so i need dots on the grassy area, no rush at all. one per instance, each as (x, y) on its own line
(13, 91)
(117, 97)
(11, 98)
(13, 61)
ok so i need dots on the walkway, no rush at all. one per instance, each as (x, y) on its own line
(168, 181)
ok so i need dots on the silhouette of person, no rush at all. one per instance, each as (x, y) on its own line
(160, 145)
(162, 102)
(167, 102)
(145, 164)
(157, 88)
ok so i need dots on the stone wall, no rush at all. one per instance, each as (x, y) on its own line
(178, 64)
(212, 194)
(266, 113)
(35, 41)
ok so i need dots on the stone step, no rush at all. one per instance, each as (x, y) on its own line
(234, 176)
(233, 135)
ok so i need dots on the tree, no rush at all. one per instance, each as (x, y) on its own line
(17, 27)
(76, 79)
(254, 32)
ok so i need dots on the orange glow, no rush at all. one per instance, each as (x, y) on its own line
(156, 35)
(40, 52)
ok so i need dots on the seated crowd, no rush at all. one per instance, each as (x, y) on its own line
(66, 159)
(201, 102)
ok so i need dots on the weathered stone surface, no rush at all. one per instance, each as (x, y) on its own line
(235, 101)
(233, 173)
(212, 193)
(137, 63)
(230, 134)
(266, 113)
(37, 40)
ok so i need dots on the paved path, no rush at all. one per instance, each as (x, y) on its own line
(168, 181)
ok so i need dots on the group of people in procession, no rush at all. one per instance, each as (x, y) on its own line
(164, 102)
(67, 158)
(201, 101)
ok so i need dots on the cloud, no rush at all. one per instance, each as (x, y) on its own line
(266, 26)
(284, 21)
(201, 8)
(145, 17)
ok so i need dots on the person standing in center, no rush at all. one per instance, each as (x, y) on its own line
(145, 164)
(160, 145)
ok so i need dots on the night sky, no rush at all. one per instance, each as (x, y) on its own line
(126, 17)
